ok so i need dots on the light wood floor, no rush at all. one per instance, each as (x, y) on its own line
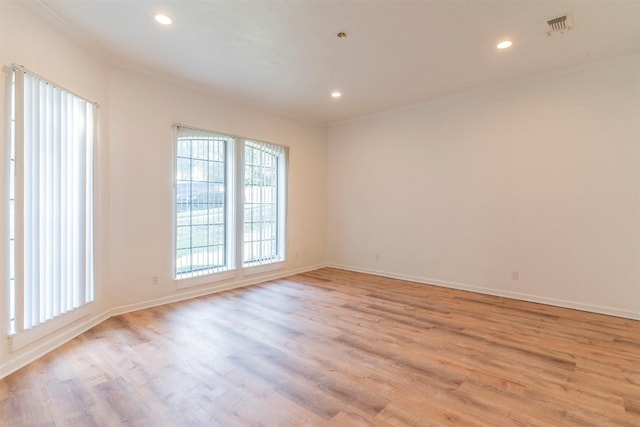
(335, 348)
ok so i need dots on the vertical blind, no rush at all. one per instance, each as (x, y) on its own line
(52, 139)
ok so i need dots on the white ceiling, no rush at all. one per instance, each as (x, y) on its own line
(285, 55)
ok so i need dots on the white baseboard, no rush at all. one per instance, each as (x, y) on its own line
(610, 311)
(49, 343)
(215, 288)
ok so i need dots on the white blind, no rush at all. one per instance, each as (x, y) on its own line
(53, 144)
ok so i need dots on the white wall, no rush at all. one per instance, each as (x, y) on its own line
(143, 109)
(134, 228)
(540, 177)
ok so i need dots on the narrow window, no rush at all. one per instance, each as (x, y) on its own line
(263, 237)
(51, 202)
(200, 198)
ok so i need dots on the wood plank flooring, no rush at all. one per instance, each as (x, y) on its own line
(337, 348)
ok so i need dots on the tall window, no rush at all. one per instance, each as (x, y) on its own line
(201, 226)
(51, 202)
(263, 203)
(229, 203)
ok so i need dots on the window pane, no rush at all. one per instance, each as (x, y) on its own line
(200, 203)
(261, 214)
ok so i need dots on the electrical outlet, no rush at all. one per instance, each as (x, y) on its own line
(514, 275)
(377, 257)
(154, 281)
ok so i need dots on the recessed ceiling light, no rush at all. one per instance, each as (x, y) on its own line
(163, 19)
(504, 44)
(336, 94)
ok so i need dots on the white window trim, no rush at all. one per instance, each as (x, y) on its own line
(279, 263)
(251, 270)
(228, 272)
(234, 216)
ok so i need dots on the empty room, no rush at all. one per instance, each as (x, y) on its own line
(320, 213)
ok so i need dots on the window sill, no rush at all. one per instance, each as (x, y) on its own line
(245, 271)
(190, 282)
(262, 268)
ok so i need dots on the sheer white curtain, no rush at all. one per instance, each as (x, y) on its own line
(53, 137)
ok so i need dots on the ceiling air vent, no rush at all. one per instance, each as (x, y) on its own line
(559, 25)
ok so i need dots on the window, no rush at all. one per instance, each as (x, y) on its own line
(201, 216)
(263, 203)
(51, 202)
(230, 198)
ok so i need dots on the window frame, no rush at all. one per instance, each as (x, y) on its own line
(193, 277)
(234, 199)
(281, 192)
